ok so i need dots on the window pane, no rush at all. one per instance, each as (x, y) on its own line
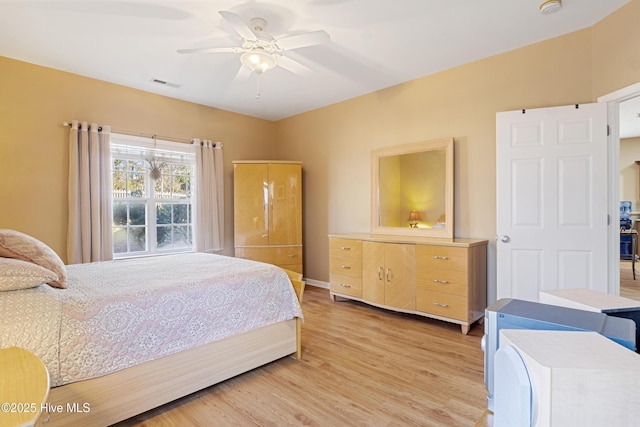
(182, 186)
(119, 240)
(163, 237)
(163, 213)
(166, 168)
(137, 213)
(119, 165)
(162, 185)
(178, 187)
(137, 239)
(184, 170)
(137, 166)
(120, 213)
(136, 178)
(182, 236)
(120, 181)
(187, 186)
(180, 214)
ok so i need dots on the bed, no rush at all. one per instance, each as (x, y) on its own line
(122, 337)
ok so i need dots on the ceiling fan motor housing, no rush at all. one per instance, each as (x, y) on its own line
(550, 6)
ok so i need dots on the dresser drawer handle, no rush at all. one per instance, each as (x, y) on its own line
(441, 281)
(345, 248)
(440, 305)
(346, 267)
(292, 256)
(443, 258)
(345, 285)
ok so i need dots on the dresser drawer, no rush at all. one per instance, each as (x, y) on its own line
(288, 255)
(345, 248)
(273, 255)
(446, 281)
(441, 258)
(441, 304)
(345, 267)
(268, 255)
(346, 285)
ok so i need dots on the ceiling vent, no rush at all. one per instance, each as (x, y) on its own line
(165, 83)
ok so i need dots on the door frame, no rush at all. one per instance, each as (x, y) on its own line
(613, 100)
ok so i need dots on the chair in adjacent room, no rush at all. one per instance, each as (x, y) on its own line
(628, 243)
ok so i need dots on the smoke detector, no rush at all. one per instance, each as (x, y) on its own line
(550, 6)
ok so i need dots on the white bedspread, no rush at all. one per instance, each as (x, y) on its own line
(120, 313)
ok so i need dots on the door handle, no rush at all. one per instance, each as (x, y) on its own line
(504, 238)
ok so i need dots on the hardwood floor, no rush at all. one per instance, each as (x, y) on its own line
(360, 366)
(629, 288)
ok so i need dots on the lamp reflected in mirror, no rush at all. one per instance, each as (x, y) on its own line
(414, 218)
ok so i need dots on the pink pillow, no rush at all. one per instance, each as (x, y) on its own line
(16, 274)
(14, 244)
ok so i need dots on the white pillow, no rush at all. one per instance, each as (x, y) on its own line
(14, 244)
(16, 274)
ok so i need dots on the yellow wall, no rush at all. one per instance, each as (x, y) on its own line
(616, 50)
(335, 142)
(459, 103)
(34, 101)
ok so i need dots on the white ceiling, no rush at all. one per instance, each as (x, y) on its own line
(374, 43)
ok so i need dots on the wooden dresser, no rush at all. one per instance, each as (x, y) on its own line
(267, 212)
(443, 279)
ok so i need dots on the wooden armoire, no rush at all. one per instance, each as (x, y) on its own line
(267, 212)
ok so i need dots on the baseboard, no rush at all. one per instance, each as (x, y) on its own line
(317, 283)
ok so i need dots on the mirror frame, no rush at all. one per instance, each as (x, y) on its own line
(439, 144)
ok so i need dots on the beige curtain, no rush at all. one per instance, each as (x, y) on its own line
(209, 214)
(89, 235)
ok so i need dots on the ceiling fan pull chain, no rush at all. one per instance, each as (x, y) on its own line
(257, 86)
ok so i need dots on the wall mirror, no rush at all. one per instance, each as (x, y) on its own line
(412, 189)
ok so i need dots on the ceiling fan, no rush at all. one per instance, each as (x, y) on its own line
(259, 50)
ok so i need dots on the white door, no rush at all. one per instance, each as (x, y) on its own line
(552, 200)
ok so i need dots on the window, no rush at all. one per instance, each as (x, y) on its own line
(152, 196)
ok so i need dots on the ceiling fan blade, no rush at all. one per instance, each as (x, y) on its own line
(294, 66)
(208, 50)
(238, 25)
(303, 40)
(243, 73)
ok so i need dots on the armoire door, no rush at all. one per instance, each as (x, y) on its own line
(285, 199)
(251, 204)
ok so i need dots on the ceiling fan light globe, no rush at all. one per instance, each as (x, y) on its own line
(258, 61)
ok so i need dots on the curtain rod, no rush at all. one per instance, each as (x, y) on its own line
(166, 138)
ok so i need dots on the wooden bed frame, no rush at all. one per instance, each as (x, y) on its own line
(115, 397)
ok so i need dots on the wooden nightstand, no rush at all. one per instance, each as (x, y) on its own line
(24, 387)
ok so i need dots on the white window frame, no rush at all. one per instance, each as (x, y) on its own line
(141, 148)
